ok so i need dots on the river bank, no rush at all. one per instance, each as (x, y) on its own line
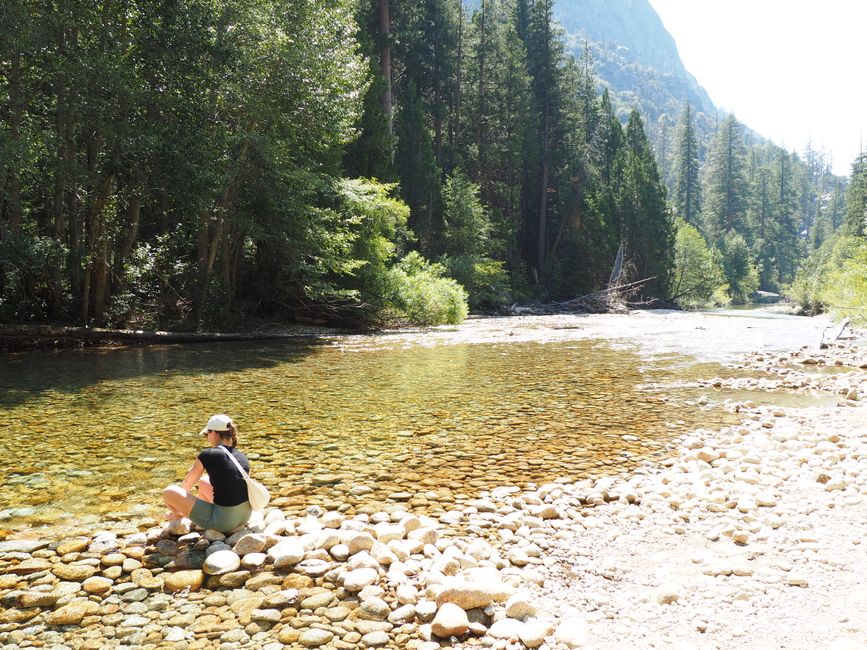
(747, 537)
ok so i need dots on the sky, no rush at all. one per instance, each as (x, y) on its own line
(791, 70)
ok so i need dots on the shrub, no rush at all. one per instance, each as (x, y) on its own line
(421, 295)
(740, 270)
(845, 288)
(698, 274)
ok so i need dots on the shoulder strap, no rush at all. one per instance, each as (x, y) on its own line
(235, 460)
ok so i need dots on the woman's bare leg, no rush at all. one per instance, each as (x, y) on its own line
(179, 501)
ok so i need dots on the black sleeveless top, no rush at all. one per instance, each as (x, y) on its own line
(230, 488)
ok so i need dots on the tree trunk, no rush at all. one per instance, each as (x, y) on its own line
(100, 285)
(210, 236)
(13, 186)
(480, 128)
(385, 61)
(456, 138)
(543, 198)
(127, 239)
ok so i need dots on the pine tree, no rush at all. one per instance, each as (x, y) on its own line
(785, 231)
(856, 198)
(726, 194)
(544, 53)
(687, 183)
(648, 232)
(497, 110)
(420, 176)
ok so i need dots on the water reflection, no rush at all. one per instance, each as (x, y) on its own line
(91, 435)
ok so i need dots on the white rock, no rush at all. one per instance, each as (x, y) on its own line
(574, 633)
(533, 634)
(253, 561)
(179, 526)
(407, 594)
(402, 615)
(221, 562)
(507, 628)
(519, 606)
(250, 543)
(356, 580)
(450, 620)
(360, 541)
(289, 552)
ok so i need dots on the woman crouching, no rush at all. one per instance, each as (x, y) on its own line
(222, 503)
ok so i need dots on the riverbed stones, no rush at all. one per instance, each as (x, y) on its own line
(466, 595)
(97, 585)
(746, 490)
(250, 543)
(30, 566)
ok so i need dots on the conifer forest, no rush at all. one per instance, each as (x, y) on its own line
(196, 164)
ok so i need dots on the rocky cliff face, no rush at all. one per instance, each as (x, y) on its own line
(634, 54)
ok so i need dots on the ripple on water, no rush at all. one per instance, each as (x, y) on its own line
(101, 432)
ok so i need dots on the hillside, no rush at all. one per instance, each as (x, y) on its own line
(637, 59)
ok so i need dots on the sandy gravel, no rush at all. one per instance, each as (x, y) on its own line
(789, 485)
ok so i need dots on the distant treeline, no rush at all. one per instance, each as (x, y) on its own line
(193, 163)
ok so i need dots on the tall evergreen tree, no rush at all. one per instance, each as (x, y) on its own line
(648, 232)
(497, 110)
(726, 194)
(420, 176)
(856, 198)
(786, 228)
(687, 181)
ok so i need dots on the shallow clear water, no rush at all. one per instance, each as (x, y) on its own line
(90, 436)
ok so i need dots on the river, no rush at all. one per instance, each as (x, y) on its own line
(426, 418)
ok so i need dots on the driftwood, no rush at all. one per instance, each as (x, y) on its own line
(613, 299)
(837, 333)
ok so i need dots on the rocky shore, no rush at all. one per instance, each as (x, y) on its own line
(748, 537)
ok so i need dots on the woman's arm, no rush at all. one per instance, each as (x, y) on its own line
(193, 475)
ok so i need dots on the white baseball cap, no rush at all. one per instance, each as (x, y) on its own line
(218, 422)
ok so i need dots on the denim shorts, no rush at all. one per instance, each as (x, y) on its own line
(223, 518)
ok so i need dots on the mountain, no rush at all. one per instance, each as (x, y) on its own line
(636, 58)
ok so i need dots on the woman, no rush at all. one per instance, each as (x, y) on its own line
(222, 503)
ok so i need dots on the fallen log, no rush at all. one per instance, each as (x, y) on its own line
(27, 336)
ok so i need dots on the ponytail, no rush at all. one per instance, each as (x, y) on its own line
(230, 434)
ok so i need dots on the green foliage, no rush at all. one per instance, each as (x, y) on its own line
(378, 222)
(648, 233)
(698, 273)
(846, 292)
(726, 193)
(834, 278)
(856, 198)
(687, 187)
(420, 176)
(191, 163)
(740, 271)
(26, 262)
(421, 294)
(468, 245)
